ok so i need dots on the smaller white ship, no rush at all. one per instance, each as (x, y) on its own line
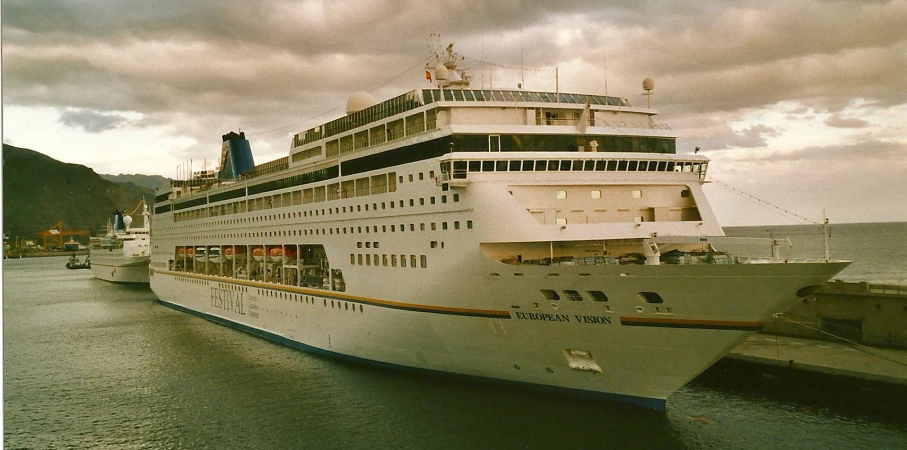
(123, 254)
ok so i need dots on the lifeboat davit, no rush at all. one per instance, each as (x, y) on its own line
(258, 254)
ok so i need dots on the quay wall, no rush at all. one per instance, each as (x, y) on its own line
(869, 314)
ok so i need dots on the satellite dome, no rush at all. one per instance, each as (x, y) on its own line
(440, 72)
(358, 102)
(648, 84)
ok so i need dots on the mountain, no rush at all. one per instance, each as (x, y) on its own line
(39, 191)
(146, 181)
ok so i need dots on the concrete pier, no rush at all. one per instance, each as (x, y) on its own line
(886, 365)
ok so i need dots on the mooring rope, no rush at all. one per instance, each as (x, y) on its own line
(856, 345)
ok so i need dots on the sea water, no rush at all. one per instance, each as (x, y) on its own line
(94, 365)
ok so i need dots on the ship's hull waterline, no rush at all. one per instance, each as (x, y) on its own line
(624, 349)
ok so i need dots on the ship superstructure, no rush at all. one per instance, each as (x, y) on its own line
(549, 239)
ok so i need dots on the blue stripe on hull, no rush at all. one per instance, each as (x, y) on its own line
(650, 403)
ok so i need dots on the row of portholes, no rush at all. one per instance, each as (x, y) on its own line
(310, 300)
(596, 296)
(433, 226)
(202, 213)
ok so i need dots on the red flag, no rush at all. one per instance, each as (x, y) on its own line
(427, 75)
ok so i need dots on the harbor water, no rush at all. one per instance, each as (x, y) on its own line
(90, 364)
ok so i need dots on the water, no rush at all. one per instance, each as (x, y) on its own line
(878, 250)
(89, 364)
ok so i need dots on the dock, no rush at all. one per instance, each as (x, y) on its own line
(883, 365)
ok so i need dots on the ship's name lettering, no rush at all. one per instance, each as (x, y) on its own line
(228, 300)
(548, 317)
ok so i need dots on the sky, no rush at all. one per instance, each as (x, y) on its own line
(801, 106)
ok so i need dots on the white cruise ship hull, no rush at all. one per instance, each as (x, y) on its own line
(626, 352)
(114, 267)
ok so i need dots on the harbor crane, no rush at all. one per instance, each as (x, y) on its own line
(54, 234)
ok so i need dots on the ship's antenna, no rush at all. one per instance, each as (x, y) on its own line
(605, 72)
(648, 85)
(825, 235)
(522, 67)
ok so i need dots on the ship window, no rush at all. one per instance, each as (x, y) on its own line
(401, 179)
(651, 297)
(475, 166)
(561, 221)
(424, 261)
(501, 166)
(368, 259)
(550, 294)
(368, 245)
(402, 260)
(432, 226)
(553, 165)
(421, 176)
(639, 219)
(443, 225)
(541, 166)
(487, 166)
(393, 260)
(527, 166)
(561, 195)
(456, 197)
(662, 165)
(596, 194)
(401, 203)
(469, 224)
(457, 225)
(434, 244)
(412, 227)
(410, 177)
(573, 296)
(588, 165)
(633, 165)
(412, 261)
(637, 194)
(359, 258)
(514, 166)
(566, 165)
(612, 166)
(384, 260)
(443, 199)
(621, 166)
(421, 202)
(597, 296)
(685, 193)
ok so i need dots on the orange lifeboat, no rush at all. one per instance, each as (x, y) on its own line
(258, 253)
(275, 254)
(289, 255)
(181, 252)
(237, 253)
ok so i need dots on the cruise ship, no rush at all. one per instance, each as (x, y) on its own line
(546, 239)
(124, 253)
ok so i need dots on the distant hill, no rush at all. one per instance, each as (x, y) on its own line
(146, 181)
(39, 191)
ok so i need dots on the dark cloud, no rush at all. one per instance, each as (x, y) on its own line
(91, 121)
(839, 121)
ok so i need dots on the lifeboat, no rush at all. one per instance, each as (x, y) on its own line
(199, 253)
(258, 254)
(275, 254)
(214, 255)
(237, 253)
(181, 252)
(289, 255)
(190, 252)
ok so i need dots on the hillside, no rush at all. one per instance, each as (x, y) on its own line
(39, 191)
(146, 181)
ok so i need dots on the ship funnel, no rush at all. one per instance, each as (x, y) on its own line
(235, 157)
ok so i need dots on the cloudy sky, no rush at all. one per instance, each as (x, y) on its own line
(799, 104)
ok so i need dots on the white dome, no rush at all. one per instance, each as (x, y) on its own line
(440, 72)
(648, 84)
(358, 102)
(127, 220)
